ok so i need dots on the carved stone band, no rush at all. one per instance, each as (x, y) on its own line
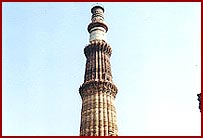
(92, 87)
(97, 45)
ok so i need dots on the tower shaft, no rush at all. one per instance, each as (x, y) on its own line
(98, 113)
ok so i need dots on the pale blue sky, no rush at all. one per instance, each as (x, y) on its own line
(155, 65)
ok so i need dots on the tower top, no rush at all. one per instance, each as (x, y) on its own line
(97, 28)
(97, 6)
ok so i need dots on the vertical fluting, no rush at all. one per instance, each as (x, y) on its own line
(96, 127)
(86, 70)
(112, 114)
(82, 120)
(98, 68)
(115, 120)
(85, 76)
(101, 129)
(87, 115)
(96, 60)
(92, 115)
(108, 68)
(100, 65)
(94, 65)
(116, 127)
(98, 115)
(84, 116)
(91, 65)
(105, 114)
(109, 112)
(105, 67)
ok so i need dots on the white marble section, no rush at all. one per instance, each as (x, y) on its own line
(98, 33)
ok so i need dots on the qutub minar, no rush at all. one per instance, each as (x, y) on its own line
(98, 113)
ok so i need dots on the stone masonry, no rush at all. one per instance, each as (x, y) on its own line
(98, 93)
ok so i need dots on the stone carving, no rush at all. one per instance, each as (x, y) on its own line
(98, 113)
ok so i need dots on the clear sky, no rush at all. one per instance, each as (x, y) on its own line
(155, 65)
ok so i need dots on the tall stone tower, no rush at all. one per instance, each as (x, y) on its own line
(98, 113)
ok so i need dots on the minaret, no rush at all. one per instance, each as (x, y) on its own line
(98, 113)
